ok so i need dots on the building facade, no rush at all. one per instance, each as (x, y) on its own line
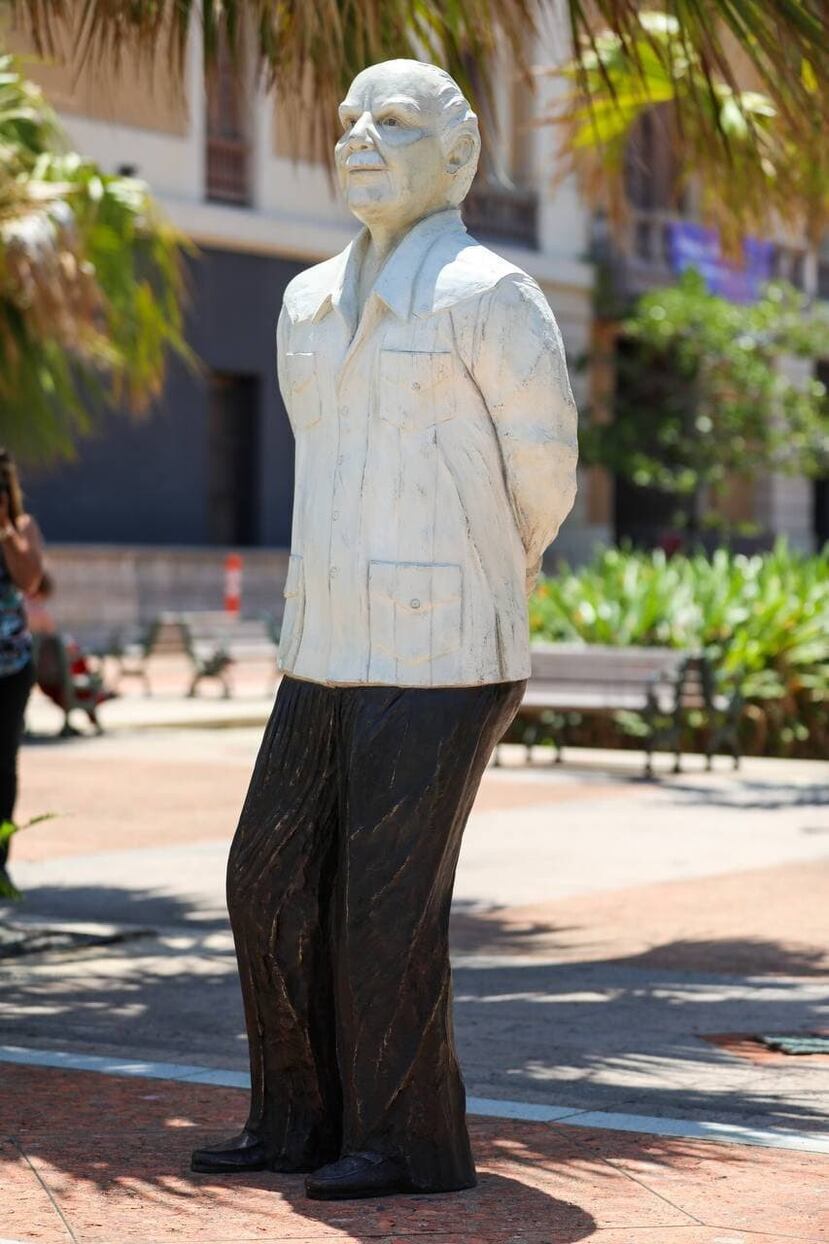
(212, 464)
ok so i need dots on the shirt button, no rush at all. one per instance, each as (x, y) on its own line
(335, 515)
(333, 572)
(415, 603)
(345, 412)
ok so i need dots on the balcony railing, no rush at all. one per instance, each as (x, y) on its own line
(227, 170)
(823, 277)
(502, 213)
(641, 258)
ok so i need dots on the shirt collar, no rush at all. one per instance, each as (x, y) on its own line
(396, 282)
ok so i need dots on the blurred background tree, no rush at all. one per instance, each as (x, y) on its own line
(90, 278)
(742, 89)
(762, 621)
(311, 51)
(729, 404)
(90, 282)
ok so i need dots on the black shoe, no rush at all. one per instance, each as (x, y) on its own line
(238, 1155)
(355, 1176)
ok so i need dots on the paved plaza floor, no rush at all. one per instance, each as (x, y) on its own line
(618, 945)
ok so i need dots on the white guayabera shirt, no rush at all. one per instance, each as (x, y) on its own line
(435, 461)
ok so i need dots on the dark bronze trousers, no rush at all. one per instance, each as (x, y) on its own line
(339, 884)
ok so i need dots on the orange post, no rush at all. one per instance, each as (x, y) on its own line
(233, 583)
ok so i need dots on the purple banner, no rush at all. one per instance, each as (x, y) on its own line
(694, 246)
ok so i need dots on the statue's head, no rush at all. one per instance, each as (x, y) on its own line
(410, 143)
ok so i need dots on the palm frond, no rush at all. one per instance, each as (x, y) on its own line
(754, 166)
(90, 282)
(306, 50)
(773, 37)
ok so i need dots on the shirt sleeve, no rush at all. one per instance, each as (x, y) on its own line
(519, 366)
(281, 334)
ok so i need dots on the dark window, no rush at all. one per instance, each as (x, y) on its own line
(642, 515)
(652, 171)
(227, 142)
(233, 459)
(823, 277)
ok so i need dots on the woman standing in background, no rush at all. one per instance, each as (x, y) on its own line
(21, 568)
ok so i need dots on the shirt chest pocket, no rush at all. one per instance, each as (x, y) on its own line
(416, 389)
(303, 396)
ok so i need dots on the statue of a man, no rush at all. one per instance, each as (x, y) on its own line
(425, 381)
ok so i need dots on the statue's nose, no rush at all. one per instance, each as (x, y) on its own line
(362, 132)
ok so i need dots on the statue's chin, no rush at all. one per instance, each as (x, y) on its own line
(374, 207)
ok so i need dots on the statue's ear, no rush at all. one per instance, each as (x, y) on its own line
(460, 153)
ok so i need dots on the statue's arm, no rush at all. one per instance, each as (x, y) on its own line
(519, 365)
(281, 346)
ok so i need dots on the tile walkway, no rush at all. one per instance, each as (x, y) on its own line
(92, 1159)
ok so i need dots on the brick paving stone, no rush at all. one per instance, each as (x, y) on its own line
(46, 1101)
(748, 1189)
(114, 1154)
(125, 805)
(760, 921)
(695, 1235)
(25, 1207)
(182, 800)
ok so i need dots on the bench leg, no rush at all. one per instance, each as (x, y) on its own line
(67, 730)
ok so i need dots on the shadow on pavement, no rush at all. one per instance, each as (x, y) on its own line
(754, 794)
(114, 1154)
(159, 909)
(504, 932)
(747, 956)
(601, 1035)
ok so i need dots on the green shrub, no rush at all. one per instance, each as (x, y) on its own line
(763, 620)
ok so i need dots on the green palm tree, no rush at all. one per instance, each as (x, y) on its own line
(758, 158)
(90, 282)
(312, 48)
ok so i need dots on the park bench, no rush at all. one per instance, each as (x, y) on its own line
(211, 641)
(68, 689)
(661, 685)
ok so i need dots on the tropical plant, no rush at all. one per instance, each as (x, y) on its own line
(90, 282)
(311, 51)
(8, 890)
(729, 407)
(747, 120)
(763, 621)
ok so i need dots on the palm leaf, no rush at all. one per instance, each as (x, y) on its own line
(756, 166)
(90, 283)
(306, 51)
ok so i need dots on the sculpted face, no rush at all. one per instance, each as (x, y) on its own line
(394, 163)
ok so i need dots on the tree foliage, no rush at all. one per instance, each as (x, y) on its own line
(312, 50)
(762, 620)
(730, 405)
(90, 282)
(309, 50)
(759, 157)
